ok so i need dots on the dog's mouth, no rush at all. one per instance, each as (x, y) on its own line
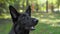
(30, 28)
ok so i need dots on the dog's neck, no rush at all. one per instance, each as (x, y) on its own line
(23, 32)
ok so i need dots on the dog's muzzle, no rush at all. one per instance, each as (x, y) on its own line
(35, 21)
(30, 28)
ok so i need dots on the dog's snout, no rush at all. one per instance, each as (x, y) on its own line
(36, 20)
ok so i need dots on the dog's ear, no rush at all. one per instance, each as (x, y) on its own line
(13, 12)
(28, 10)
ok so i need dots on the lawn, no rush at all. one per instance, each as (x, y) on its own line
(48, 24)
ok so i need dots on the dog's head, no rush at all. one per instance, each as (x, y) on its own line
(23, 20)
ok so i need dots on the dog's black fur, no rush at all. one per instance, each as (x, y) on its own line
(22, 23)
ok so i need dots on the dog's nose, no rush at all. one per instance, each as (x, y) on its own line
(35, 21)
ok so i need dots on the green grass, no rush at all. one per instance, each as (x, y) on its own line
(5, 26)
(48, 24)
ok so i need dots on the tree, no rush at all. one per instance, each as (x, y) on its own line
(47, 6)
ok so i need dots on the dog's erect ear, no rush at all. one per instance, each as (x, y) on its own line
(28, 10)
(13, 12)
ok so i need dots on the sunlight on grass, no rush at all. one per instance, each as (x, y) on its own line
(42, 15)
(55, 25)
(43, 20)
(51, 16)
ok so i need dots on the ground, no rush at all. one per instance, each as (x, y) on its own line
(49, 23)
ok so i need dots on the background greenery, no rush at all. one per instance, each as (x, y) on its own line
(46, 11)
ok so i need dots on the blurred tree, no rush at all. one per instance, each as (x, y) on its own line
(58, 3)
(47, 6)
(37, 6)
(52, 7)
(16, 4)
(22, 4)
(27, 2)
(3, 6)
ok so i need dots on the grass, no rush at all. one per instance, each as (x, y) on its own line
(5, 26)
(48, 24)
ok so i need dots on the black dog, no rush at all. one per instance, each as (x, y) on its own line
(22, 23)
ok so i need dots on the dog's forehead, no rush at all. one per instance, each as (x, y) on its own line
(24, 17)
(23, 14)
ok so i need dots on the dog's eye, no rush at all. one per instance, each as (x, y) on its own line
(24, 15)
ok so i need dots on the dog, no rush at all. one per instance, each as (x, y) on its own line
(23, 23)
